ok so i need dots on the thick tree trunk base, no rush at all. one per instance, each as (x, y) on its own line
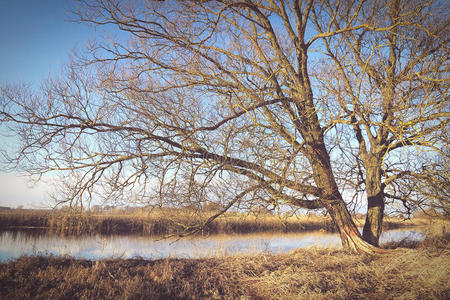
(351, 238)
(374, 219)
(354, 243)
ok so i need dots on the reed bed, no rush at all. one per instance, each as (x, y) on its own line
(171, 221)
(156, 222)
(24, 218)
(419, 273)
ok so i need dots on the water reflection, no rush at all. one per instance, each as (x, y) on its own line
(16, 243)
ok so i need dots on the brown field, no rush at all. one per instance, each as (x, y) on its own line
(171, 221)
(421, 271)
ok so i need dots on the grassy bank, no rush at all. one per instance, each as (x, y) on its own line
(419, 273)
(169, 221)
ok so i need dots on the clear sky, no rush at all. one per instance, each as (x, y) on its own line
(36, 39)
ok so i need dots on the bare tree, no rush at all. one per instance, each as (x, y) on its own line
(204, 96)
(389, 83)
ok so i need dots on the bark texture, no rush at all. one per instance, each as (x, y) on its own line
(374, 219)
(335, 205)
(375, 202)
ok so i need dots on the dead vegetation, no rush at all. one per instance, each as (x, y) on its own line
(421, 272)
(171, 221)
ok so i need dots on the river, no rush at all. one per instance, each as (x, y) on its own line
(14, 244)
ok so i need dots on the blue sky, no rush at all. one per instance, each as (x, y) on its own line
(36, 39)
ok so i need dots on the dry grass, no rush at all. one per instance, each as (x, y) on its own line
(397, 222)
(157, 222)
(170, 221)
(421, 273)
(24, 218)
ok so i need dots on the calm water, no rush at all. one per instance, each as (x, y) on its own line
(16, 243)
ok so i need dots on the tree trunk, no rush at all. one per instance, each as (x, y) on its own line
(350, 236)
(374, 219)
(334, 203)
(375, 204)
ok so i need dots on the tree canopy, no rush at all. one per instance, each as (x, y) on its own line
(391, 86)
(238, 102)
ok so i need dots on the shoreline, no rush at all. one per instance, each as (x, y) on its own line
(315, 273)
(416, 270)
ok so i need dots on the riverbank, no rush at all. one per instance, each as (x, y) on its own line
(418, 272)
(172, 221)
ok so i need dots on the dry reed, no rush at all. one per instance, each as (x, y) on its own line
(420, 273)
(170, 221)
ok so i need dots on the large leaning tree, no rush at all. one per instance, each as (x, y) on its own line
(391, 87)
(194, 100)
